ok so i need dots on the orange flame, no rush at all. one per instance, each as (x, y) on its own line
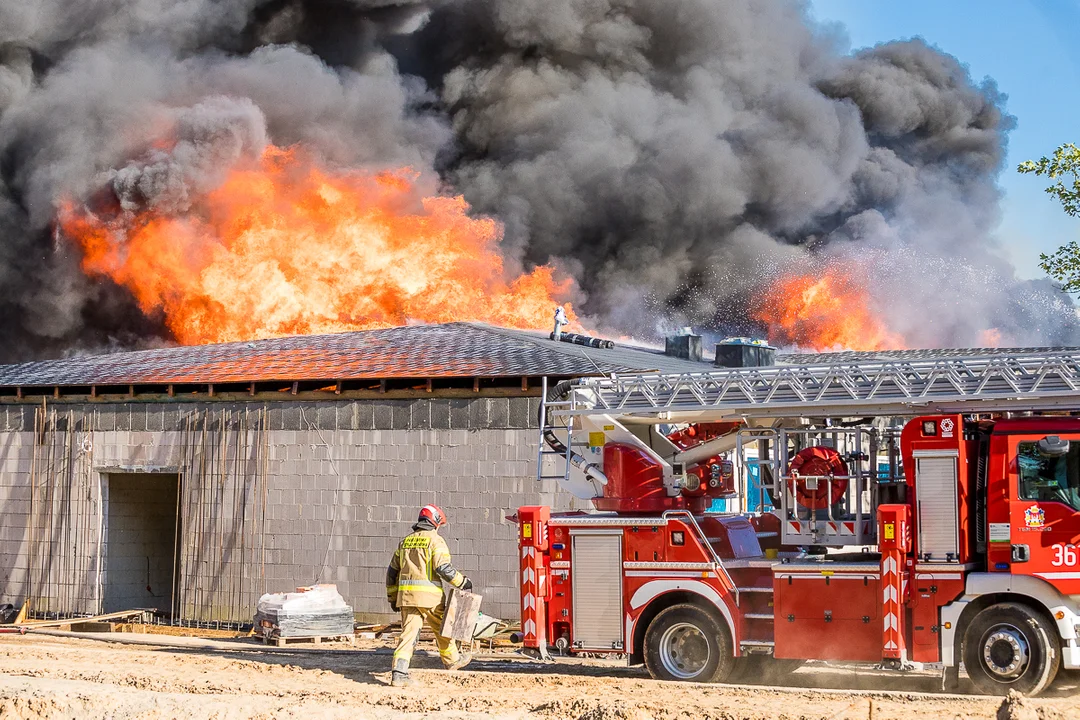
(285, 247)
(991, 338)
(826, 311)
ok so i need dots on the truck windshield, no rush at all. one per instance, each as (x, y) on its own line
(1049, 479)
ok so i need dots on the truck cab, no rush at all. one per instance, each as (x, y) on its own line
(1033, 495)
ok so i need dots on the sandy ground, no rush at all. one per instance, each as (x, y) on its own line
(52, 677)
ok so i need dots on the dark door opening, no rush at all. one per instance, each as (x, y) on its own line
(140, 543)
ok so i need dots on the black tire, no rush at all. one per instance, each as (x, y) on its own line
(1011, 647)
(763, 670)
(688, 643)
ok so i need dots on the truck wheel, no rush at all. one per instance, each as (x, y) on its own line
(1011, 647)
(686, 642)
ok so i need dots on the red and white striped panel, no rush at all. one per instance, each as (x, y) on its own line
(892, 588)
(531, 598)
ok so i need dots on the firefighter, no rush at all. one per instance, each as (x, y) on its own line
(413, 587)
(560, 320)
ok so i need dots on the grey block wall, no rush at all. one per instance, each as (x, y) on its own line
(16, 458)
(305, 491)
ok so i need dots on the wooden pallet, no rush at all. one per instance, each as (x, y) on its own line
(280, 641)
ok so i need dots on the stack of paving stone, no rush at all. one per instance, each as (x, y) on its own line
(316, 611)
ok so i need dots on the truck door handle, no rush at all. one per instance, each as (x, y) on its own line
(1021, 553)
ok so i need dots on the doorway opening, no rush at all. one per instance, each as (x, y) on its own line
(141, 551)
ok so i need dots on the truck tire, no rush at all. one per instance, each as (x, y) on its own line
(1009, 646)
(686, 642)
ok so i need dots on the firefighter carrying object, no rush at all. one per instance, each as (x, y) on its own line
(414, 588)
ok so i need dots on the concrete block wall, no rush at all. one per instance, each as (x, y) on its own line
(343, 482)
(16, 460)
(338, 509)
(47, 538)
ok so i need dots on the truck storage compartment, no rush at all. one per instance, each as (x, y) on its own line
(596, 575)
(827, 611)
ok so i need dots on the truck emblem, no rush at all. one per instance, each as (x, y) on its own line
(1034, 517)
(947, 426)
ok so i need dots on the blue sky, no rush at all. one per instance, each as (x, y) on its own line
(1032, 49)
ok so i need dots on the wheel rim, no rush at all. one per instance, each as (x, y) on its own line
(1006, 652)
(684, 651)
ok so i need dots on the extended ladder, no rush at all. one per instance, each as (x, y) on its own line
(1022, 381)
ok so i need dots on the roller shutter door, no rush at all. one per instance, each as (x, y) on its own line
(597, 584)
(935, 484)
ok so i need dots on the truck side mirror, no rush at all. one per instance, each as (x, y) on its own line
(1053, 446)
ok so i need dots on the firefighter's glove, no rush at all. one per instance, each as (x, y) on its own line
(466, 585)
(394, 607)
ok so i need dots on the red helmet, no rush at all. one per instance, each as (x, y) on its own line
(433, 514)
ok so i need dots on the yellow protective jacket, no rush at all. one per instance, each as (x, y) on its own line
(417, 569)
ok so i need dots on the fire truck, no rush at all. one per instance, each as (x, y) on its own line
(904, 512)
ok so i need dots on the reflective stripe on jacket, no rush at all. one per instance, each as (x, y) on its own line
(417, 569)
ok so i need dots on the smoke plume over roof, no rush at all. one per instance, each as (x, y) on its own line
(674, 158)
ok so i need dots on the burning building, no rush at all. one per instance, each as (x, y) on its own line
(269, 169)
(193, 479)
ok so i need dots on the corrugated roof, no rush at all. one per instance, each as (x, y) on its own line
(418, 351)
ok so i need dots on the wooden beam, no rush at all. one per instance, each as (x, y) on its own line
(476, 384)
(382, 385)
(131, 391)
(56, 392)
(96, 618)
(210, 389)
(429, 384)
(295, 387)
(93, 391)
(18, 392)
(251, 389)
(524, 382)
(337, 387)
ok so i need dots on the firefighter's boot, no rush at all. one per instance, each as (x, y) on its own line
(400, 679)
(463, 660)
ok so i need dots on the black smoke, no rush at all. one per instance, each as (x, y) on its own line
(675, 158)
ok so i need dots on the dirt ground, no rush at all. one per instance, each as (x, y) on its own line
(62, 677)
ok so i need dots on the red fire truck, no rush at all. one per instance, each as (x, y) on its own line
(888, 512)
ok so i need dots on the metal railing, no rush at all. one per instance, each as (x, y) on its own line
(545, 449)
